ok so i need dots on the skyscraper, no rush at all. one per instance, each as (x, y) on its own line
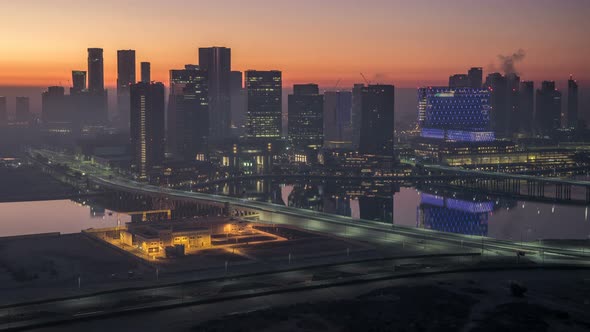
(527, 107)
(78, 82)
(356, 113)
(475, 77)
(188, 113)
(3, 111)
(377, 126)
(125, 77)
(500, 113)
(337, 116)
(238, 101)
(217, 62)
(146, 72)
(459, 81)
(264, 90)
(147, 127)
(572, 103)
(305, 116)
(95, 111)
(95, 71)
(22, 112)
(548, 110)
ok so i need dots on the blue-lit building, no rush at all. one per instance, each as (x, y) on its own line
(455, 114)
(454, 215)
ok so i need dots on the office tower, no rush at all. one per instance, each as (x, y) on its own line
(305, 116)
(455, 114)
(475, 77)
(53, 105)
(356, 114)
(500, 101)
(548, 111)
(337, 116)
(264, 89)
(95, 71)
(217, 62)
(23, 112)
(527, 107)
(188, 113)
(78, 82)
(572, 103)
(125, 77)
(459, 81)
(96, 110)
(238, 101)
(377, 127)
(147, 127)
(146, 72)
(3, 111)
(513, 102)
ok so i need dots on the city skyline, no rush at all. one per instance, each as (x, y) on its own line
(374, 37)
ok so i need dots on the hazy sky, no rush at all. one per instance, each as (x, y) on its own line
(408, 43)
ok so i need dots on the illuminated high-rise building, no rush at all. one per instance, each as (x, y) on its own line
(3, 111)
(217, 62)
(377, 125)
(455, 114)
(23, 111)
(305, 116)
(146, 72)
(264, 89)
(238, 102)
(526, 107)
(78, 82)
(572, 103)
(147, 127)
(475, 77)
(548, 110)
(125, 77)
(188, 113)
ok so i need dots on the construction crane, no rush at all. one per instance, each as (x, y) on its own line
(364, 78)
(337, 83)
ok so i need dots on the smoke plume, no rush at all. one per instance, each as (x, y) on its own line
(508, 62)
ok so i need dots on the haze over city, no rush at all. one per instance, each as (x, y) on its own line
(349, 165)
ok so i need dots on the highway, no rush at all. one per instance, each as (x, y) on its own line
(363, 230)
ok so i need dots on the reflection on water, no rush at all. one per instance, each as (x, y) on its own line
(434, 209)
(62, 216)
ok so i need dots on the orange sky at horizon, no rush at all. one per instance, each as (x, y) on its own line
(405, 43)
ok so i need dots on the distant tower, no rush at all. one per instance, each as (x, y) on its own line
(22, 112)
(548, 110)
(337, 116)
(377, 126)
(95, 71)
(475, 77)
(146, 74)
(78, 82)
(459, 81)
(356, 113)
(305, 116)
(238, 101)
(147, 127)
(3, 111)
(217, 62)
(572, 103)
(527, 107)
(54, 108)
(264, 90)
(125, 78)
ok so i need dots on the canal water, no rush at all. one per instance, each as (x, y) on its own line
(431, 208)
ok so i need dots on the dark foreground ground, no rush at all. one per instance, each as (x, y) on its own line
(555, 301)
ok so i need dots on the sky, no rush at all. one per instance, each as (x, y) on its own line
(407, 43)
